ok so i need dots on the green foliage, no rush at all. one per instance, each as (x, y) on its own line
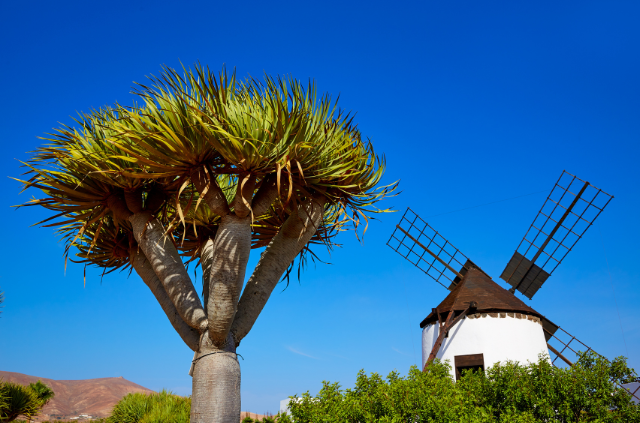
(539, 392)
(16, 400)
(239, 133)
(588, 391)
(154, 408)
(4, 400)
(19, 400)
(265, 419)
(43, 392)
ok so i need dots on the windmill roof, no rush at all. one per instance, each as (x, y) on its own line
(489, 296)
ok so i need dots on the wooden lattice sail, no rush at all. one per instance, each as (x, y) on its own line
(476, 322)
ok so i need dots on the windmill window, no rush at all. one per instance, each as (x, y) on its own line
(473, 362)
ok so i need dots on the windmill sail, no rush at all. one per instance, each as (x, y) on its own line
(568, 349)
(569, 210)
(415, 240)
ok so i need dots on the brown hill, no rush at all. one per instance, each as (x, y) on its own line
(95, 397)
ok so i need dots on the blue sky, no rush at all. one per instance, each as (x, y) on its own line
(470, 102)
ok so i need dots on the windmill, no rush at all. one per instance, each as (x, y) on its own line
(497, 325)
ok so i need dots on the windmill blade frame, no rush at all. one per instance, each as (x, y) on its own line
(569, 210)
(424, 247)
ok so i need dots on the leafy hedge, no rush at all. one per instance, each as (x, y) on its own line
(540, 392)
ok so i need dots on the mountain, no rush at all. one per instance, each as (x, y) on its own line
(94, 397)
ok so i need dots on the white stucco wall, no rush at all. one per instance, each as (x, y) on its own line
(498, 339)
(284, 406)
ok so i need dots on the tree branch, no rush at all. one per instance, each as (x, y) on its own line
(168, 266)
(190, 336)
(212, 194)
(133, 199)
(118, 206)
(266, 195)
(206, 261)
(231, 249)
(294, 234)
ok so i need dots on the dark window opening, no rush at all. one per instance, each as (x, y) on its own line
(473, 362)
(460, 370)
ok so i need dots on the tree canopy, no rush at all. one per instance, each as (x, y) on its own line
(201, 135)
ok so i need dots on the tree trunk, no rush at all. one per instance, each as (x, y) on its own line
(215, 394)
(190, 336)
(206, 261)
(294, 234)
(168, 266)
(231, 250)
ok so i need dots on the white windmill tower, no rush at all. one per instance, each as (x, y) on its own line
(492, 326)
(480, 323)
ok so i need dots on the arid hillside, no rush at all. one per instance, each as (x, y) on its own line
(94, 397)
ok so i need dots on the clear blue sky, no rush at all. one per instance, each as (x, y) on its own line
(471, 102)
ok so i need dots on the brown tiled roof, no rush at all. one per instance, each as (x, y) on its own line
(490, 297)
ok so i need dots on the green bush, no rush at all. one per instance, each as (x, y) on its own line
(513, 393)
(162, 407)
(43, 392)
(18, 400)
(4, 400)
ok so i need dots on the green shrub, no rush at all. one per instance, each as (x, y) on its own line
(513, 393)
(4, 400)
(172, 408)
(43, 392)
(131, 408)
(162, 407)
(19, 400)
(247, 420)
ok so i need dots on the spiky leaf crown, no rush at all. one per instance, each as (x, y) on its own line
(234, 131)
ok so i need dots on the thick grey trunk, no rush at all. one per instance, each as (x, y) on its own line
(281, 251)
(215, 396)
(168, 266)
(190, 336)
(206, 260)
(230, 256)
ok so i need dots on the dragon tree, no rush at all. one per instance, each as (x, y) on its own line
(201, 170)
